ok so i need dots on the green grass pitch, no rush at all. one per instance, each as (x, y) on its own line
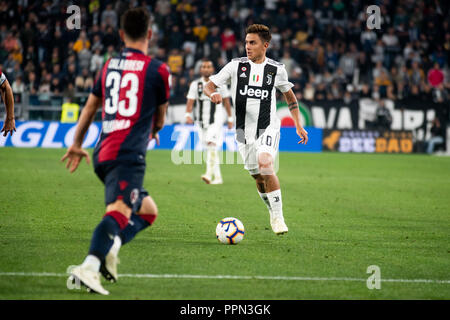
(345, 212)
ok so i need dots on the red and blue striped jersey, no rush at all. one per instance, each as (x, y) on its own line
(131, 87)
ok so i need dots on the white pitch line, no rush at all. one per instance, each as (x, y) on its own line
(231, 277)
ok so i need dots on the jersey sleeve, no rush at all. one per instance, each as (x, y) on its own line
(97, 88)
(192, 93)
(2, 78)
(224, 75)
(224, 92)
(163, 94)
(281, 80)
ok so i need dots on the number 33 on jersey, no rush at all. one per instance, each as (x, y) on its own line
(131, 87)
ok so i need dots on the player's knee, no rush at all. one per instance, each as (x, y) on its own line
(265, 164)
(148, 206)
(119, 206)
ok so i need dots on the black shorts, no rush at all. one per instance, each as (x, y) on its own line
(123, 182)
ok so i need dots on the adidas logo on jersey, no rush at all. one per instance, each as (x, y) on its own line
(254, 92)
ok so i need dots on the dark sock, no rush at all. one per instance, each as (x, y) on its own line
(135, 225)
(103, 237)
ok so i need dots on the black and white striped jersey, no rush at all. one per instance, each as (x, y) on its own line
(206, 112)
(253, 91)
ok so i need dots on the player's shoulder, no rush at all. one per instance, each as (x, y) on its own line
(275, 63)
(157, 63)
(159, 66)
(241, 60)
(196, 81)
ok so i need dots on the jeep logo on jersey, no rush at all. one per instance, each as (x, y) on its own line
(254, 92)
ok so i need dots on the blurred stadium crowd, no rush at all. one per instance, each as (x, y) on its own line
(327, 49)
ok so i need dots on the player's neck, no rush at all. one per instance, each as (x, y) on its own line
(259, 60)
(206, 78)
(137, 45)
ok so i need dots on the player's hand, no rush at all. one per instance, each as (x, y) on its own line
(189, 120)
(303, 134)
(230, 124)
(155, 136)
(8, 126)
(216, 98)
(75, 154)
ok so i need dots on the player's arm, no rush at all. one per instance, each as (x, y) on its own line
(163, 95)
(189, 108)
(75, 153)
(160, 118)
(295, 113)
(218, 80)
(210, 91)
(8, 98)
(227, 105)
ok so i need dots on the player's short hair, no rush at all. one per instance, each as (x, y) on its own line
(135, 23)
(207, 60)
(262, 31)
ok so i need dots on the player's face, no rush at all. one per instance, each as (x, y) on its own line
(255, 46)
(206, 69)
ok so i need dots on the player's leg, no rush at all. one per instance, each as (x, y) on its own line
(88, 273)
(146, 214)
(215, 163)
(248, 154)
(273, 192)
(122, 185)
(144, 217)
(266, 151)
(207, 176)
(210, 160)
(260, 186)
(215, 139)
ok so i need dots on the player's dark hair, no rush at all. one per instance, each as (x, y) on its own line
(262, 31)
(135, 23)
(207, 60)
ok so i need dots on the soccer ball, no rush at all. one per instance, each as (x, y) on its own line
(230, 231)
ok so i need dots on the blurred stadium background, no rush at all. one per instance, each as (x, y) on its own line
(361, 91)
(353, 82)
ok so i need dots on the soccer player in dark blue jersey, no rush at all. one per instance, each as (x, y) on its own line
(133, 91)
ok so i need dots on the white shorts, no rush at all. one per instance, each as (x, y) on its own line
(268, 142)
(212, 134)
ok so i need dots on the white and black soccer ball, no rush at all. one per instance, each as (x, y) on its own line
(230, 231)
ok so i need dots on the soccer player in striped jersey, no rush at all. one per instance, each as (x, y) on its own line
(8, 99)
(254, 80)
(133, 91)
(209, 117)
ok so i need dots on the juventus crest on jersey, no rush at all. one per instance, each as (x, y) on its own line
(206, 112)
(253, 90)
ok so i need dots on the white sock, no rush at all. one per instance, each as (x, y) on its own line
(92, 263)
(276, 204)
(265, 199)
(217, 174)
(116, 246)
(209, 161)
